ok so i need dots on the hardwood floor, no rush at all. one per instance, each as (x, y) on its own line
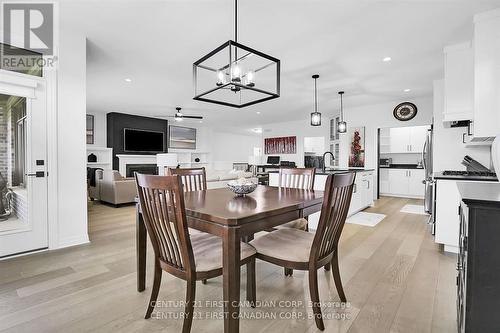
(395, 277)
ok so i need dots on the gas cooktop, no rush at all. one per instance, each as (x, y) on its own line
(466, 175)
(469, 173)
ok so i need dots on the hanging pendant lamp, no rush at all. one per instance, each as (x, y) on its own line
(315, 116)
(342, 125)
(236, 75)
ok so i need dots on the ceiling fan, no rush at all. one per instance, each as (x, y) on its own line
(179, 116)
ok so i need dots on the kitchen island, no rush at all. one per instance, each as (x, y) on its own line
(363, 192)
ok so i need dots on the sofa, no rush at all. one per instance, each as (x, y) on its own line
(220, 178)
(113, 188)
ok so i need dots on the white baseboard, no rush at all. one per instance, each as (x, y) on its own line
(72, 241)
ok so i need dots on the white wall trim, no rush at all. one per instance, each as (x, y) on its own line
(133, 159)
(52, 183)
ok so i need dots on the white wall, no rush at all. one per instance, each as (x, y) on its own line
(372, 117)
(224, 148)
(448, 149)
(230, 147)
(300, 129)
(99, 128)
(376, 116)
(71, 146)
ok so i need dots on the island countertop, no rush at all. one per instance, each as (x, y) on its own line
(330, 171)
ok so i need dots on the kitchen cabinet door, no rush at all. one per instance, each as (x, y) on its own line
(458, 82)
(416, 186)
(400, 140)
(398, 182)
(486, 74)
(447, 218)
(357, 196)
(384, 181)
(418, 134)
(368, 191)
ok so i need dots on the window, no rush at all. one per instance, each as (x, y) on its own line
(18, 123)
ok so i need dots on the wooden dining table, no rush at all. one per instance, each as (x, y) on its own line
(234, 218)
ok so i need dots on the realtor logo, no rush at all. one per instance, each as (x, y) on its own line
(29, 26)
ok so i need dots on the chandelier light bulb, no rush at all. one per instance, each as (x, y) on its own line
(250, 79)
(220, 78)
(236, 73)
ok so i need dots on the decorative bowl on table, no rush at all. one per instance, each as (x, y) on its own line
(242, 186)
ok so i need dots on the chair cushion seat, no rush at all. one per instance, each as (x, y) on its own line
(285, 244)
(207, 251)
(295, 224)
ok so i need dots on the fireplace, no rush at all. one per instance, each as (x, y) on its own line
(150, 169)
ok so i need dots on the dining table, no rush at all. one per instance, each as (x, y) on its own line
(234, 218)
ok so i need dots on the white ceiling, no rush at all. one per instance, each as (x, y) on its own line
(155, 43)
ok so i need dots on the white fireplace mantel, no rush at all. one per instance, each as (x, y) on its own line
(123, 160)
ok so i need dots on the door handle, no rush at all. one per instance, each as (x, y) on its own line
(38, 174)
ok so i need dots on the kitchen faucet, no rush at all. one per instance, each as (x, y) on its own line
(324, 160)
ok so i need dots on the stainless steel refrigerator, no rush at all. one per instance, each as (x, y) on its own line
(428, 181)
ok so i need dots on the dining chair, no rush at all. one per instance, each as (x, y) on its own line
(193, 179)
(301, 178)
(298, 249)
(188, 257)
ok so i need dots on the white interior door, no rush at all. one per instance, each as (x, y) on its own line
(23, 219)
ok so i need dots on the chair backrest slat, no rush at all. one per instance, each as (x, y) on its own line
(338, 193)
(301, 178)
(162, 204)
(193, 179)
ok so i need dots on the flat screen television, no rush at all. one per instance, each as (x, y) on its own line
(135, 140)
(273, 160)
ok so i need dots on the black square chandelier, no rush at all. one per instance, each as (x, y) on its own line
(236, 75)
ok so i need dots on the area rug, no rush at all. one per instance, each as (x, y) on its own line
(366, 219)
(413, 209)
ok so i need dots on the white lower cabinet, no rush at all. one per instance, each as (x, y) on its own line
(402, 182)
(447, 218)
(362, 196)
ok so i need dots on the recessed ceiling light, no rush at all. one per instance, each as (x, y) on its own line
(407, 90)
(128, 80)
(258, 112)
(201, 121)
(257, 130)
(387, 59)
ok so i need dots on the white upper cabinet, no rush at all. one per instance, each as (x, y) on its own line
(405, 140)
(458, 82)
(418, 135)
(487, 74)
(399, 140)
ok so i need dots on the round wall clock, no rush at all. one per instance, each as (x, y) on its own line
(405, 111)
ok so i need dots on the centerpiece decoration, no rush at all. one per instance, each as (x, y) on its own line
(242, 186)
